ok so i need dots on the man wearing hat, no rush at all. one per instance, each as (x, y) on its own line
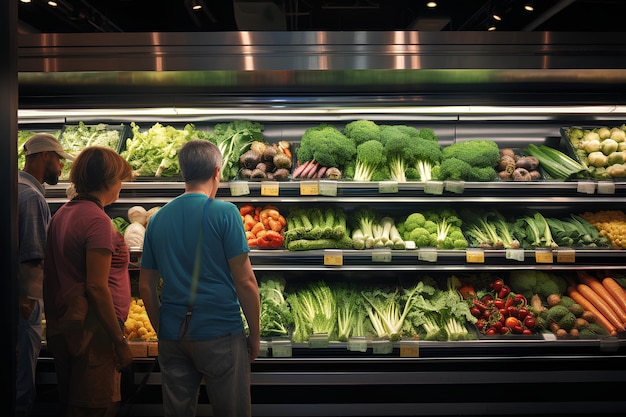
(44, 162)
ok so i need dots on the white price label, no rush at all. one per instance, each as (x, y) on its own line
(606, 187)
(385, 187)
(586, 187)
(433, 187)
(238, 188)
(427, 254)
(515, 254)
(328, 188)
(357, 344)
(381, 256)
(457, 187)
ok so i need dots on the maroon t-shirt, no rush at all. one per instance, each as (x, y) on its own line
(77, 226)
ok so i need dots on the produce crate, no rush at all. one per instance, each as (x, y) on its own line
(571, 150)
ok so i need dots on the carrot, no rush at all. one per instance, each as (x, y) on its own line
(586, 304)
(601, 305)
(595, 284)
(616, 290)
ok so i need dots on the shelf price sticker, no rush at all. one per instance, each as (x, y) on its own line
(566, 255)
(427, 254)
(457, 187)
(515, 254)
(381, 256)
(309, 188)
(281, 348)
(382, 347)
(238, 188)
(270, 188)
(318, 341)
(328, 188)
(333, 257)
(409, 349)
(357, 344)
(586, 187)
(387, 187)
(475, 256)
(263, 349)
(543, 256)
(433, 187)
(606, 187)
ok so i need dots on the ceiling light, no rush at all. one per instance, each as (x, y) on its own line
(25, 1)
(196, 5)
(431, 4)
(491, 28)
(529, 7)
(496, 16)
(52, 3)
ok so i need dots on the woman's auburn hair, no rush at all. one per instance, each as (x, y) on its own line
(98, 168)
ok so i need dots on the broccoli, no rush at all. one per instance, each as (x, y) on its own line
(369, 157)
(477, 153)
(457, 169)
(427, 134)
(423, 155)
(561, 316)
(538, 282)
(412, 132)
(420, 236)
(396, 145)
(414, 220)
(327, 146)
(362, 131)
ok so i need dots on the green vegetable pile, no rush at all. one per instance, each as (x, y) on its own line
(234, 139)
(154, 153)
(316, 228)
(471, 160)
(490, 230)
(371, 230)
(440, 229)
(557, 165)
(542, 283)
(602, 150)
(276, 317)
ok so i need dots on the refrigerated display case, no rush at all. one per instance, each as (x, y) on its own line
(515, 89)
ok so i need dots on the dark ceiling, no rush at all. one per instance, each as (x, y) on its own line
(85, 16)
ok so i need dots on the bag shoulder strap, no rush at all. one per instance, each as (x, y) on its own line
(197, 263)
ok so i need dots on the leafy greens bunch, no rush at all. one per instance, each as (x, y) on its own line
(234, 139)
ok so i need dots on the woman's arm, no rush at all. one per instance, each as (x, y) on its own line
(99, 296)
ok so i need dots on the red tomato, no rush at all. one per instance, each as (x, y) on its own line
(511, 322)
(497, 285)
(530, 322)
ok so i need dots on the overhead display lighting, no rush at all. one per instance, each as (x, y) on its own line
(196, 5)
(529, 7)
(52, 3)
(431, 4)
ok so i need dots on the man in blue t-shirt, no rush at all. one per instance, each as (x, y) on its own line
(44, 162)
(197, 246)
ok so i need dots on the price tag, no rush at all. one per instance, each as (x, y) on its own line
(427, 254)
(357, 344)
(409, 349)
(543, 256)
(475, 255)
(586, 187)
(263, 349)
(381, 256)
(318, 341)
(433, 187)
(385, 187)
(281, 349)
(328, 188)
(549, 336)
(269, 188)
(333, 257)
(515, 254)
(606, 187)
(238, 188)
(566, 255)
(382, 347)
(456, 187)
(309, 188)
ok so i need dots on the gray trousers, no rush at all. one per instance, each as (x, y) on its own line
(224, 364)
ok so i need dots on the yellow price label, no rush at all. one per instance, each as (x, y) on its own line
(476, 256)
(543, 256)
(410, 349)
(309, 188)
(270, 188)
(333, 257)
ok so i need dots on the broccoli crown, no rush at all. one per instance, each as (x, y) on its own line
(326, 145)
(408, 130)
(362, 131)
(457, 169)
(414, 220)
(427, 133)
(476, 152)
(395, 141)
(562, 316)
(370, 153)
(424, 150)
(420, 236)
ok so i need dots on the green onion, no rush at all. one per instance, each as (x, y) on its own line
(558, 165)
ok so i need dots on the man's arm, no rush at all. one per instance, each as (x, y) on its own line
(148, 285)
(248, 294)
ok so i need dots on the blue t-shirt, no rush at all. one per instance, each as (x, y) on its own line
(170, 246)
